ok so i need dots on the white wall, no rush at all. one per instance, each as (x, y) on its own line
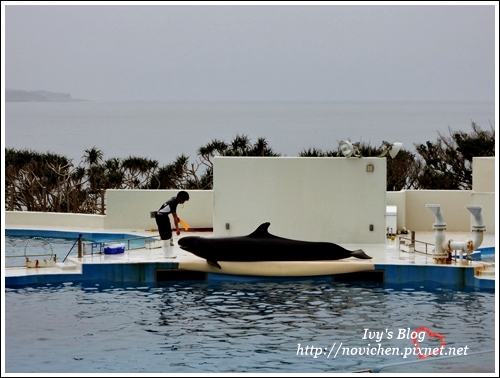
(398, 199)
(489, 208)
(483, 174)
(125, 209)
(414, 215)
(452, 203)
(317, 199)
(131, 208)
(310, 197)
(34, 219)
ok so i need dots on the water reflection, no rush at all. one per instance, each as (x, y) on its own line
(234, 326)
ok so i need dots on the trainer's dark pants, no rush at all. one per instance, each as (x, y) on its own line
(164, 226)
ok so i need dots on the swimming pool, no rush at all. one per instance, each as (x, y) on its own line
(487, 254)
(290, 326)
(20, 242)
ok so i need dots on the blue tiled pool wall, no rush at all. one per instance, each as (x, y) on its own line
(412, 276)
(446, 274)
(137, 273)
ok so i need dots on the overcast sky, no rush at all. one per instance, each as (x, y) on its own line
(254, 52)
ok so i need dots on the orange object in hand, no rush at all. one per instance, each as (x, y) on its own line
(184, 224)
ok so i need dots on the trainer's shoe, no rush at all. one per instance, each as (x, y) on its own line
(171, 242)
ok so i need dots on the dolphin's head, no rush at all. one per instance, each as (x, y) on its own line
(200, 247)
(190, 243)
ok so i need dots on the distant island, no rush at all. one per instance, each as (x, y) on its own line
(15, 95)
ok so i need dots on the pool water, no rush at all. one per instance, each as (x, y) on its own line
(488, 258)
(18, 244)
(228, 327)
(488, 254)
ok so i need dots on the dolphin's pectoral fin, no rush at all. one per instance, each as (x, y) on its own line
(360, 254)
(214, 263)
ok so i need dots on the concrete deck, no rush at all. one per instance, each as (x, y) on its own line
(392, 264)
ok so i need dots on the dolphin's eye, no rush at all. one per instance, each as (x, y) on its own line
(189, 241)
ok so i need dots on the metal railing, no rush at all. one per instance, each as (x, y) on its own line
(410, 245)
(129, 244)
(79, 241)
(414, 245)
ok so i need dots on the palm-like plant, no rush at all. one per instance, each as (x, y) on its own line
(49, 182)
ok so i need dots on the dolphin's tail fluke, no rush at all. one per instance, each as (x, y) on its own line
(360, 254)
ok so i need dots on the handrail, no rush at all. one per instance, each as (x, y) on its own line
(73, 246)
(18, 256)
(413, 243)
(128, 241)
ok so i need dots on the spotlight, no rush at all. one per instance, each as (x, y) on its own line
(391, 148)
(349, 149)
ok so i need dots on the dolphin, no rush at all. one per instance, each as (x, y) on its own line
(260, 245)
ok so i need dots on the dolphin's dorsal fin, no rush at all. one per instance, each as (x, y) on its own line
(261, 231)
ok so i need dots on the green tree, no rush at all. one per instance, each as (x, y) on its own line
(199, 174)
(400, 169)
(317, 152)
(34, 181)
(137, 172)
(49, 182)
(447, 164)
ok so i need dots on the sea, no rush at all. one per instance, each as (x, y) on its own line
(163, 131)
